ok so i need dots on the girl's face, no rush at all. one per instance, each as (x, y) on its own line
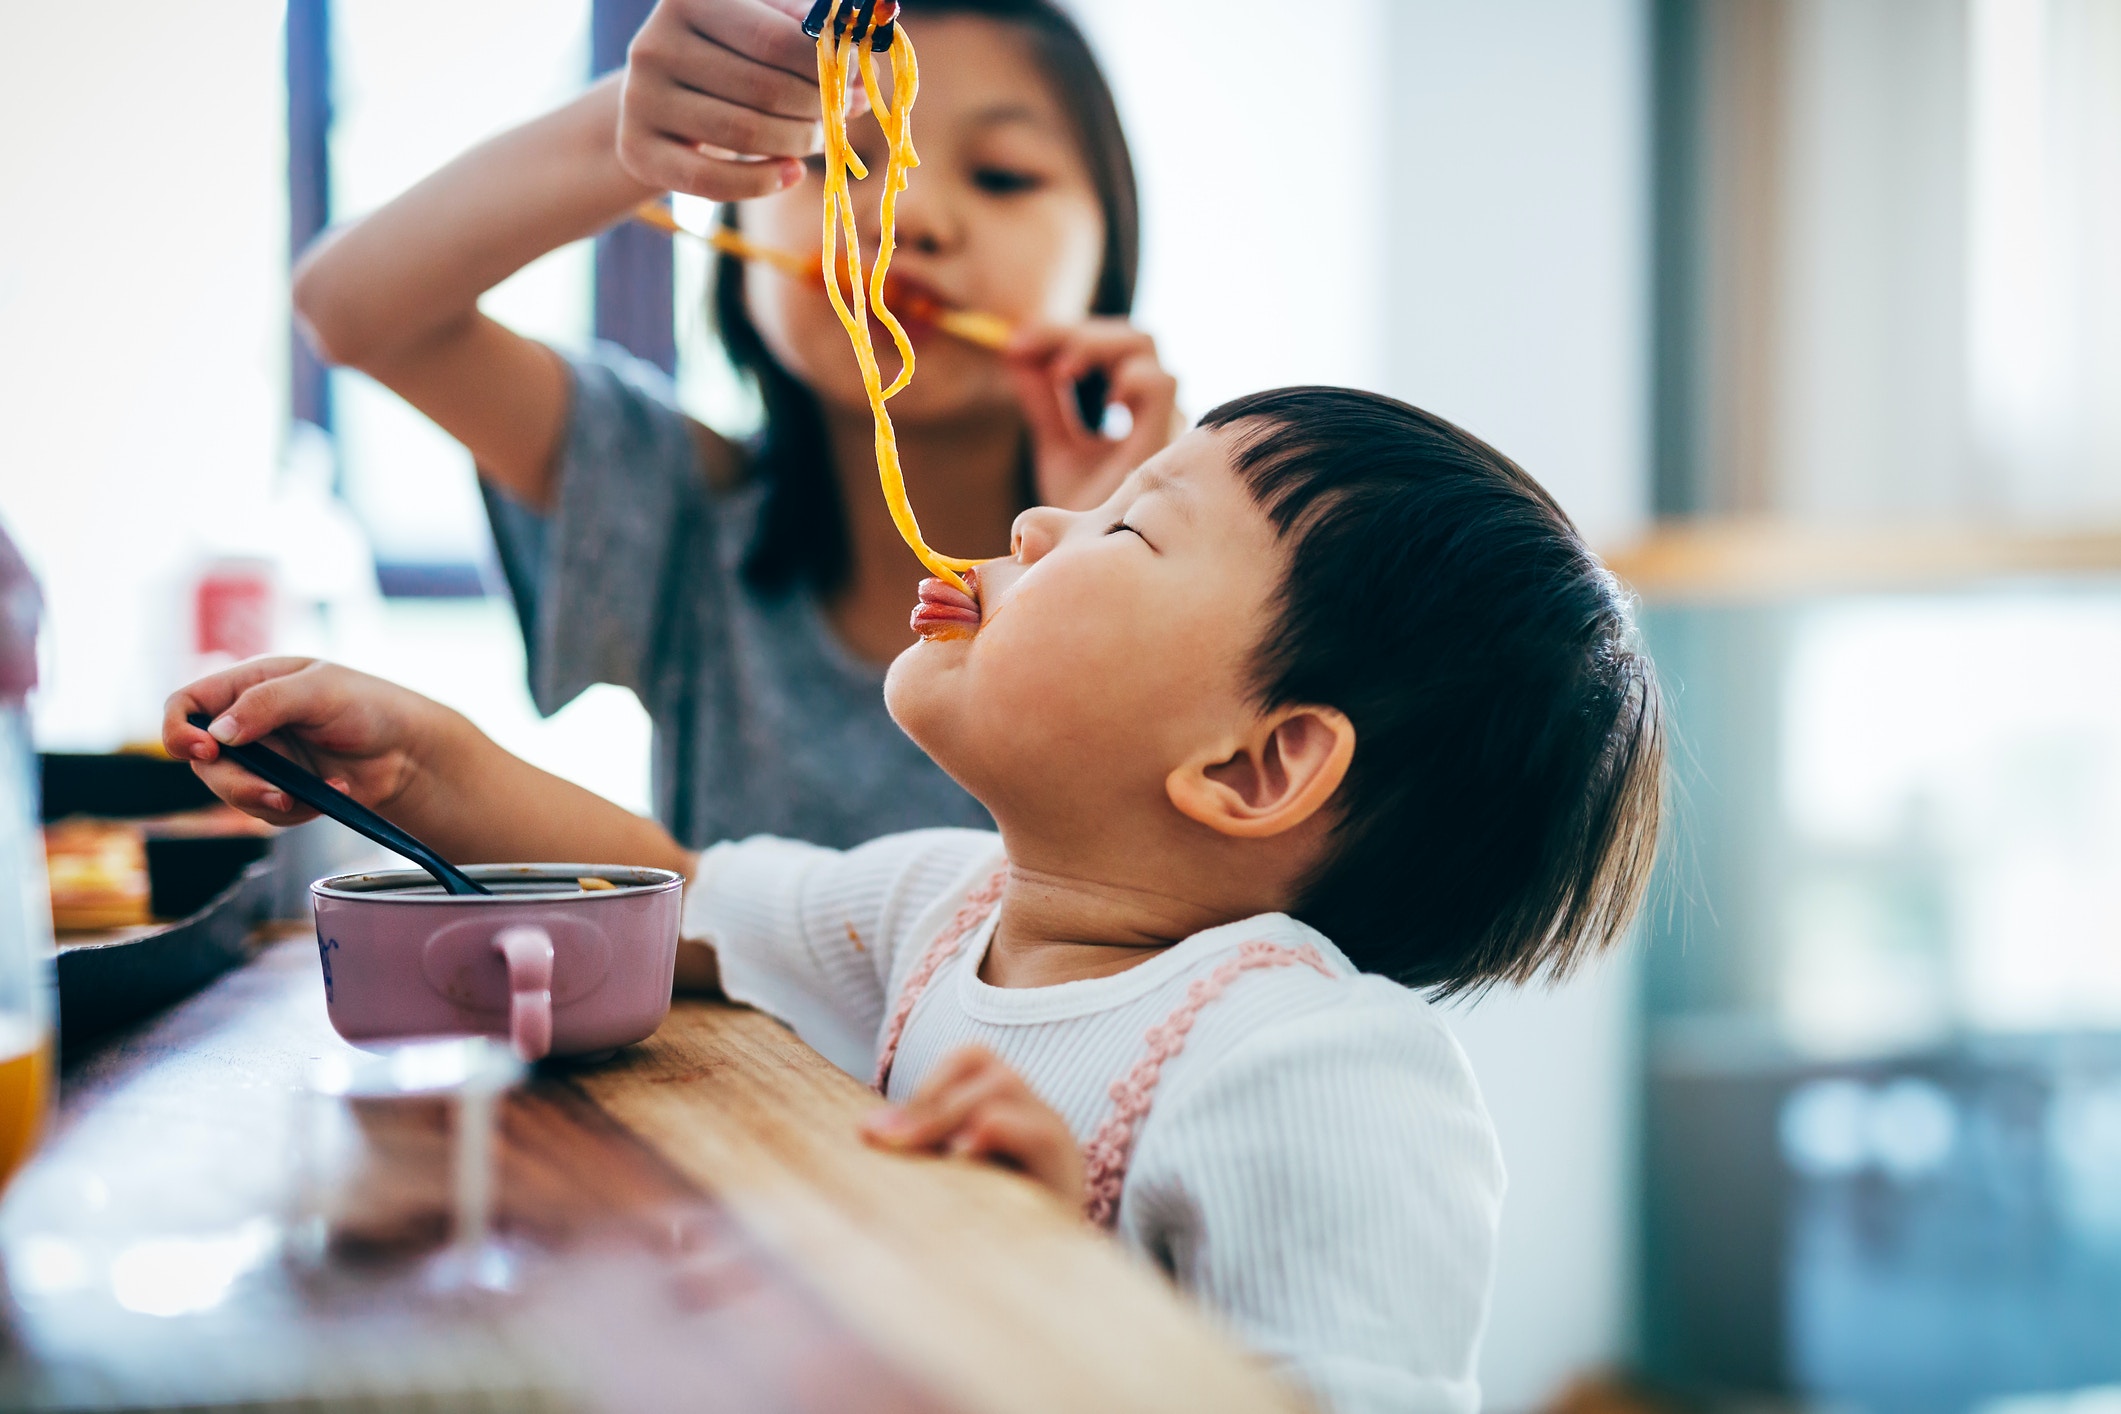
(1000, 215)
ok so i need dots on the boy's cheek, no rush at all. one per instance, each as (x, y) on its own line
(917, 696)
(1030, 679)
(1061, 656)
(1069, 666)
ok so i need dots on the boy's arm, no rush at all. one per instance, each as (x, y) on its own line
(407, 757)
(814, 936)
(1332, 1185)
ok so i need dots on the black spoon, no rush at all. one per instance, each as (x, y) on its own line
(262, 761)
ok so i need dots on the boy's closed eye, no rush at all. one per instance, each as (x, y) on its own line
(1120, 526)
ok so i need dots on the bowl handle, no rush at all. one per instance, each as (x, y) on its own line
(527, 950)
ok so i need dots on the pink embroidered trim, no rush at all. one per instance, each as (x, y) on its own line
(978, 904)
(1105, 1158)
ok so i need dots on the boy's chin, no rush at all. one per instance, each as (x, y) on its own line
(921, 695)
(933, 706)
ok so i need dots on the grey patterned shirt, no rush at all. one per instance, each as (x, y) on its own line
(764, 722)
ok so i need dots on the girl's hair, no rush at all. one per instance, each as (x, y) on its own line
(802, 527)
(1501, 813)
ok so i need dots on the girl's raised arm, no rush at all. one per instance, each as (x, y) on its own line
(395, 294)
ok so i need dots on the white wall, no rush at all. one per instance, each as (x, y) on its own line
(1519, 260)
(1447, 202)
(1557, 1068)
(1519, 238)
(1258, 146)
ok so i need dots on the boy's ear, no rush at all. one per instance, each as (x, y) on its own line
(1281, 774)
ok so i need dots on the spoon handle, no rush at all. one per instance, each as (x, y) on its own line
(262, 761)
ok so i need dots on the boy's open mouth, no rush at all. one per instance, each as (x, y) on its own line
(945, 611)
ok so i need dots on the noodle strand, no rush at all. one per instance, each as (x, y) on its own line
(837, 64)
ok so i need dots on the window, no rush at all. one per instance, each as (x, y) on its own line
(413, 85)
(1899, 819)
(1951, 783)
(144, 303)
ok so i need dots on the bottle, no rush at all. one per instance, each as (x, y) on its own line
(26, 975)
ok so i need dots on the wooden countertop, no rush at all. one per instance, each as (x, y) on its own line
(698, 1225)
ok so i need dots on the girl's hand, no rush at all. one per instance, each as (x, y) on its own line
(1076, 464)
(721, 98)
(975, 1105)
(356, 731)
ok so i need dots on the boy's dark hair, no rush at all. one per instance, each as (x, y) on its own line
(1500, 816)
(802, 528)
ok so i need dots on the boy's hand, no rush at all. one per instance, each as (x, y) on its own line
(975, 1105)
(721, 98)
(1077, 465)
(356, 731)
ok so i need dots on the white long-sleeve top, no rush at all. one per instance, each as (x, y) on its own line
(1317, 1166)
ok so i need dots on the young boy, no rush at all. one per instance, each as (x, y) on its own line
(1328, 703)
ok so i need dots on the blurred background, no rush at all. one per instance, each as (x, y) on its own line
(1809, 312)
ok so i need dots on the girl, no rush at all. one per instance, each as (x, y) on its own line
(750, 595)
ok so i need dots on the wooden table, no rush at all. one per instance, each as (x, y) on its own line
(697, 1226)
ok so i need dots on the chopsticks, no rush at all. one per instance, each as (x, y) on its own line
(974, 326)
(873, 18)
(654, 213)
(321, 796)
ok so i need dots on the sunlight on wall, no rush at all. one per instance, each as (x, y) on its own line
(143, 294)
(1517, 283)
(2044, 286)
(415, 84)
(1250, 277)
(468, 653)
(147, 346)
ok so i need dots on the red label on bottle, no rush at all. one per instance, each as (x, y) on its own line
(234, 609)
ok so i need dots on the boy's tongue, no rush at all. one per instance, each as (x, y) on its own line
(945, 611)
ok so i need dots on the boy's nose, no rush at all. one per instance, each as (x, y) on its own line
(1036, 532)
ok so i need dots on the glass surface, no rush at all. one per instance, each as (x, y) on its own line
(414, 85)
(1883, 1105)
(1951, 783)
(1899, 819)
(395, 1157)
(1954, 1229)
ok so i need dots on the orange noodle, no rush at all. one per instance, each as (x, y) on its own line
(838, 59)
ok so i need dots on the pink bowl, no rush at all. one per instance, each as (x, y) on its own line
(571, 973)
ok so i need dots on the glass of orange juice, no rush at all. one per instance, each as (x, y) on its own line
(25, 905)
